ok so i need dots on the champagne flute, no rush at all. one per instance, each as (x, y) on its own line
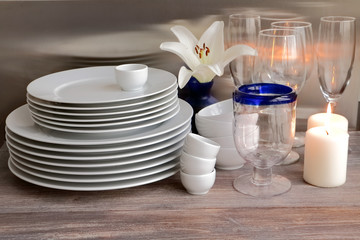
(305, 28)
(243, 29)
(335, 55)
(263, 130)
(281, 59)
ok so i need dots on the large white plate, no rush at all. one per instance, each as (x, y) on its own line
(97, 178)
(91, 186)
(99, 170)
(100, 148)
(95, 85)
(19, 121)
(142, 103)
(96, 156)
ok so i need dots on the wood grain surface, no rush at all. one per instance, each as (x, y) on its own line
(164, 210)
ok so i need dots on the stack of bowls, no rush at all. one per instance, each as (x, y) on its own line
(197, 163)
(215, 122)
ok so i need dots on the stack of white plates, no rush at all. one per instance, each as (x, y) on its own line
(79, 131)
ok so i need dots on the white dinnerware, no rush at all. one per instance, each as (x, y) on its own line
(200, 146)
(195, 165)
(131, 77)
(198, 184)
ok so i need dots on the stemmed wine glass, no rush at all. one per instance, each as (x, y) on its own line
(281, 59)
(243, 29)
(335, 55)
(263, 130)
(305, 29)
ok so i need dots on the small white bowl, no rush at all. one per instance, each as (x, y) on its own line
(131, 77)
(196, 165)
(198, 184)
(229, 159)
(200, 146)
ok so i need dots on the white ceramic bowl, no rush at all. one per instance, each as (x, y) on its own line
(200, 146)
(229, 159)
(196, 165)
(131, 77)
(211, 129)
(225, 142)
(220, 111)
(198, 184)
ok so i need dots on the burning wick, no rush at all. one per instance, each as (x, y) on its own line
(327, 133)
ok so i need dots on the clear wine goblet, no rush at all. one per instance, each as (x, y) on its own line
(281, 59)
(335, 55)
(263, 130)
(305, 28)
(243, 29)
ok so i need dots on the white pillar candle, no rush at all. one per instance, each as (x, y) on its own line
(330, 119)
(325, 157)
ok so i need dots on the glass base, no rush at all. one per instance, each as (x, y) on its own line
(299, 140)
(278, 186)
(293, 157)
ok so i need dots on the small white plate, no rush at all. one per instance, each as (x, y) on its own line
(19, 122)
(95, 85)
(142, 103)
(113, 119)
(91, 186)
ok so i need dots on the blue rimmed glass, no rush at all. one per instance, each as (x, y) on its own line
(263, 130)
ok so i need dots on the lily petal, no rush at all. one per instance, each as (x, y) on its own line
(203, 73)
(182, 51)
(185, 36)
(213, 37)
(184, 76)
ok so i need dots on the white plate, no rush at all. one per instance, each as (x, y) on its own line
(129, 122)
(95, 85)
(104, 120)
(100, 148)
(97, 156)
(122, 112)
(19, 121)
(91, 186)
(128, 128)
(142, 103)
(100, 170)
(97, 178)
(97, 163)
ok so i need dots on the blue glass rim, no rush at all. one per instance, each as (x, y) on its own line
(259, 94)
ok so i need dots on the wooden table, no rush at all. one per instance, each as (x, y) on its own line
(164, 210)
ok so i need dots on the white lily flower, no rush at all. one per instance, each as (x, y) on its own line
(205, 57)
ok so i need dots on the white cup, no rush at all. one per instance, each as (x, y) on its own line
(194, 165)
(200, 146)
(131, 77)
(198, 184)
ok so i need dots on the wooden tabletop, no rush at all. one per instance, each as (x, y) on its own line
(164, 210)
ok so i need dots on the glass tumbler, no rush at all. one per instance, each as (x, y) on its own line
(263, 130)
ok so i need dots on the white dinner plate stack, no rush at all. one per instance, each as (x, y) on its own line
(80, 131)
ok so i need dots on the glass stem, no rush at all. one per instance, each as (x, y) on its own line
(333, 106)
(261, 176)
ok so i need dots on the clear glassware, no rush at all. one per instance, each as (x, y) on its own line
(263, 130)
(335, 55)
(243, 29)
(304, 28)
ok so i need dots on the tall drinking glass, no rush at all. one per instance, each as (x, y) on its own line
(305, 29)
(243, 29)
(263, 130)
(335, 55)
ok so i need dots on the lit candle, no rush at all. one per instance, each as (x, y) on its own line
(326, 151)
(334, 120)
